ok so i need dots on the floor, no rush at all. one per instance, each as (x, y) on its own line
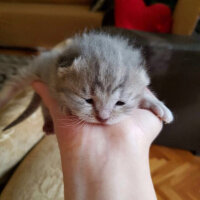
(175, 173)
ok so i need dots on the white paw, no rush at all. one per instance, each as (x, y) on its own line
(159, 109)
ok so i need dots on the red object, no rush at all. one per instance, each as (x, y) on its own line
(134, 14)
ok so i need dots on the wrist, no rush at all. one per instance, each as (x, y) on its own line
(111, 162)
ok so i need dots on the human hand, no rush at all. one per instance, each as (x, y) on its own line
(104, 162)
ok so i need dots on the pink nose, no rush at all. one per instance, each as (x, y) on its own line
(101, 119)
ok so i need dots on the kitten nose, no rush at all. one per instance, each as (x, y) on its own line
(103, 115)
(101, 119)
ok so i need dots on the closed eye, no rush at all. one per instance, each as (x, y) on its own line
(120, 103)
(90, 101)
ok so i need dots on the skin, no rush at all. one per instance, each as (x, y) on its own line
(104, 162)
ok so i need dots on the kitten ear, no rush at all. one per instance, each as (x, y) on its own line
(61, 72)
(67, 59)
(65, 62)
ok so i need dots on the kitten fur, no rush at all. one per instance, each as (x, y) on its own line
(97, 77)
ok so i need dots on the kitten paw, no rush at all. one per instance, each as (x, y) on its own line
(48, 127)
(159, 109)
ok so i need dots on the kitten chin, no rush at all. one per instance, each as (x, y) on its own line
(110, 121)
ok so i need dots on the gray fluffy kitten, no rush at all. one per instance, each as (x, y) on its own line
(97, 77)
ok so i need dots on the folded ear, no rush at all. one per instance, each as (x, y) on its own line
(66, 61)
(67, 58)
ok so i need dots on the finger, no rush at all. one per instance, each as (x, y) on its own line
(43, 91)
(61, 121)
(149, 123)
(152, 122)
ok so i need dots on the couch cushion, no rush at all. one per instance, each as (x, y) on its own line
(17, 141)
(39, 176)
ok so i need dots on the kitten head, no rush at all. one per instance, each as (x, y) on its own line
(100, 78)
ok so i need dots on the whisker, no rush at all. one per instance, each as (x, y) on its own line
(73, 123)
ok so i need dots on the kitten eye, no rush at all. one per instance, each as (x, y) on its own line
(120, 103)
(90, 101)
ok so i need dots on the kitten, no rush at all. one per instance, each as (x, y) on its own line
(97, 77)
